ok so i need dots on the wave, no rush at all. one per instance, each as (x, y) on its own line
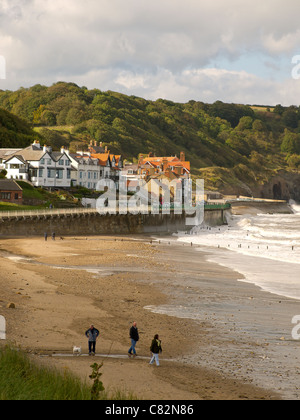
(274, 237)
(294, 206)
(264, 248)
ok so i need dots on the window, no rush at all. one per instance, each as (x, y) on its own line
(61, 162)
(43, 161)
(51, 173)
(16, 196)
(59, 174)
(68, 174)
(6, 196)
(67, 163)
(41, 171)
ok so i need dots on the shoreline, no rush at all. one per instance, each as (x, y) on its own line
(54, 306)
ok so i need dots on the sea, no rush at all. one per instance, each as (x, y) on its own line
(264, 248)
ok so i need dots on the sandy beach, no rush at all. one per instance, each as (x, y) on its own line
(60, 287)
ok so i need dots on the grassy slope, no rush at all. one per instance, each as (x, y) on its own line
(22, 378)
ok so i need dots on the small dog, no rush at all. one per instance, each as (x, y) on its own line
(76, 350)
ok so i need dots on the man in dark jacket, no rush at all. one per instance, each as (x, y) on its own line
(92, 334)
(134, 336)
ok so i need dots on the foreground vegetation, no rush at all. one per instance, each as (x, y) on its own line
(23, 379)
(222, 141)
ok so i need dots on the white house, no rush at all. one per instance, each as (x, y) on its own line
(16, 167)
(88, 168)
(47, 169)
(86, 171)
(40, 166)
(6, 154)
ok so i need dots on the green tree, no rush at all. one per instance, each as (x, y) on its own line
(290, 143)
(279, 109)
(48, 118)
(290, 118)
(245, 124)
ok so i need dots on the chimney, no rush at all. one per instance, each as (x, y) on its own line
(95, 143)
(182, 156)
(141, 160)
(45, 148)
(164, 164)
(62, 150)
(36, 143)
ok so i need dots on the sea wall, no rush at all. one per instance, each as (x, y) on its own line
(260, 207)
(96, 224)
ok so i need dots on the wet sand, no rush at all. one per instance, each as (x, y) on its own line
(64, 286)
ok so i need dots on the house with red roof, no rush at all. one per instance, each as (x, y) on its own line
(171, 167)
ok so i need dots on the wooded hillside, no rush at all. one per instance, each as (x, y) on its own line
(224, 142)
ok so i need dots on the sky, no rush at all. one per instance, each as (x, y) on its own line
(236, 51)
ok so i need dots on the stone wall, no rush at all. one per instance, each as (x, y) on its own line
(95, 224)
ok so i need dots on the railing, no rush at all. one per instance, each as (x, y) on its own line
(217, 206)
(105, 210)
(44, 212)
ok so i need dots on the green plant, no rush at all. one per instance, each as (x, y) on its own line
(97, 386)
(22, 378)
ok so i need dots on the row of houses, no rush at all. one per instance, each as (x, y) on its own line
(61, 169)
(45, 168)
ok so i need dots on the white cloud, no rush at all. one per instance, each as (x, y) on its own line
(163, 48)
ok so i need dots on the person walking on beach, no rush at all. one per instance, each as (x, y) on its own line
(134, 337)
(46, 236)
(155, 350)
(92, 334)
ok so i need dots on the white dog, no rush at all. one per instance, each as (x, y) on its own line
(76, 350)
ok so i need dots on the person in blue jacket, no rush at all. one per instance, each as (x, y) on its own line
(92, 334)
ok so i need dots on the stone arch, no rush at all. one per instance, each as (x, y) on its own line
(277, 191)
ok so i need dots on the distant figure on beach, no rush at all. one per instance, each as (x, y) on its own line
(53, 236)
(134, 336)
(92, 334)
(155, 350)
(46, 236)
